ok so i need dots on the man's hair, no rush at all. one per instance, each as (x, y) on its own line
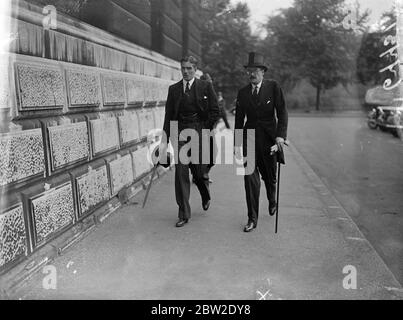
(190, 59)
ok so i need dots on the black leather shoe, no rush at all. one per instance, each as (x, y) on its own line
(206, 205)
(181, 223)
(272, 209)
(249, 227)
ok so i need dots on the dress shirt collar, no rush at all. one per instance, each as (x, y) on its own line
(190, 84)
(257, 85)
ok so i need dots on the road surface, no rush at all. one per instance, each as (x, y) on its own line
(363, 168)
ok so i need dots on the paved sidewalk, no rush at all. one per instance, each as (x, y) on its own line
(139, 254)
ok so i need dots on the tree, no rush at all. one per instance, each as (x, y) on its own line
(226, 40)
(309, 41)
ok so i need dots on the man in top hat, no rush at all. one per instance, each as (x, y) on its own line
(193, 104)
(262, 103)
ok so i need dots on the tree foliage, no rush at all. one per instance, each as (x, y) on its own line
(226, 41)
(309, 41)
(369, 60)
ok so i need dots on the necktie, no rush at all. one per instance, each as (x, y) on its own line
(255, 95)
(187, 90)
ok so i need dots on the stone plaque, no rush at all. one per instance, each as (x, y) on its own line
(133, 64)
(13, 242)
(177, 75)
(150, 120)
(135, 90)
(4, 85)
(162, 91)
(68, 143)
(150, 68)
(83, 88)
(146, 118)
(52, 211)
(150, 90)
(166, 72)
(93, 188)
(113, 90)
(129, 127)
(105, 135)
(159, 114)
(121, 173)
(40, 88)
(22, 155)
(141, 163)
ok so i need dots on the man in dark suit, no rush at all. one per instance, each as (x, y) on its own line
(191, 104)
(262, 103)
(223, 115)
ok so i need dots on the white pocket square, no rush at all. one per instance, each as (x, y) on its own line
(205, 97)
(268, 101)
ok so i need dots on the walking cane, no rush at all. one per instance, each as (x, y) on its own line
(278, 193)
(149, 185)
(280, 161)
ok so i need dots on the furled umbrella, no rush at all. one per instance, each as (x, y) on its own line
(280, 161)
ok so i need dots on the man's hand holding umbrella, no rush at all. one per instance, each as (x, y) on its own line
(160, 157)
(279, 149)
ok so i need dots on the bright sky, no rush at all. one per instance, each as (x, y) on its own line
(261, 8)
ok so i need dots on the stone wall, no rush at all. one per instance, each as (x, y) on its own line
(76, 109)
(170, 27)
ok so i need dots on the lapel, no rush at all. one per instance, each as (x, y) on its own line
(197, 83)
(178, 96)
(198, 90)
(263, 93)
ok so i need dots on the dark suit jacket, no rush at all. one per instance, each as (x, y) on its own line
(269, 117)
(206, 100)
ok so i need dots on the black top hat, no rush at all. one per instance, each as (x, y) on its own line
(256, 61)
